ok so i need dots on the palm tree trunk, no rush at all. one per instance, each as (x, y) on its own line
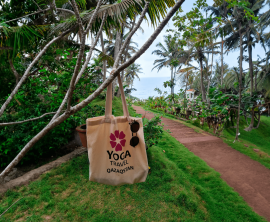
(222, 66)
(250, 66)
(172, 80)
(122, 73)
(104, 62)
(209, 78)
(255, 81)
(186, 83)
(240, 81)
(202, 85)
(251, 126)
(173, 83)
(118, 92)
(185, 97)
(116, 51)
(131, 87)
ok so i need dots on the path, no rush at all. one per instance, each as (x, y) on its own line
(246, 176)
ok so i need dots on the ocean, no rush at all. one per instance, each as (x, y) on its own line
(145, 87)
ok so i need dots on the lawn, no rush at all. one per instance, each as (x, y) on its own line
(180, 187)
(116, 105)
(257, 139)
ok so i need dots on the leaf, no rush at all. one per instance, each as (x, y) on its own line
(42, 70)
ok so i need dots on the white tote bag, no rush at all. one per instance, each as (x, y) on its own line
(114, 157)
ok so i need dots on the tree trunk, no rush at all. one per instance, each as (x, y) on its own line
(250, 68)
(209, 78)
(104, 62)
(222, 66)
(251, 126)
(186, 83)
(131, 88)
(259, 120)
(255, 81)
(116, 51)
(16, 74)
(122, 79)
(27, 71)
(202, 85)
(240, 82)
(91, 97)
(122, 74)
(171, 80)
(125, 54)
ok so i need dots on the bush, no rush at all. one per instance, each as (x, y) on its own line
(13, 138)
(41, 94)
(152, 131)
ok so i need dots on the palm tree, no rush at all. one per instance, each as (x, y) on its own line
(114, 42)
(251, 35)
(250, 32)
(40, 25)
(220, 10)
(196, 52)
(96, 70)
(110, 45)
(187, 76)
(218, 73)
(171, 57)
(131, 73)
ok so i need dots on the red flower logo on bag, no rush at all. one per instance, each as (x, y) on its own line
(117, 140)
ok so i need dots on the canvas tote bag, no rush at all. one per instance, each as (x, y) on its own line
(113, 160)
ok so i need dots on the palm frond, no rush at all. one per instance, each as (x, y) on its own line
(19, 37)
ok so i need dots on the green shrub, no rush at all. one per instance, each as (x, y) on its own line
(13, 138)
(152, 131)
(41, 94)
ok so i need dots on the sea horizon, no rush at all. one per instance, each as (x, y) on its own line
(146, 85)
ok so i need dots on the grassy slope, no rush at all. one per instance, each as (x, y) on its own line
(180, 187)
(116, 105)
(255, 139)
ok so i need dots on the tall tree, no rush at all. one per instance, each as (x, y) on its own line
(131, 73)
(220, 9)
(171, 56)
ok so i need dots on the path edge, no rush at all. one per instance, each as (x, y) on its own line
(36, 173)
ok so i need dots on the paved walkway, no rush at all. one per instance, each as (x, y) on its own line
(247, 177)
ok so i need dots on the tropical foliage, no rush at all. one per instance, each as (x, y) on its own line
(48, 75)
(221, 89)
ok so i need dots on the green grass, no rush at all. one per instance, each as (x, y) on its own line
(180, 187)
(116, 105)
(248, 141)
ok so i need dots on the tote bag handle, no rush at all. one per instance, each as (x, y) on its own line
(108, 107)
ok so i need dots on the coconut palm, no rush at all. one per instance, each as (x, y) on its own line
(110, 46)
(187, 76)
(250, 36)
(131, 73)
(220, 10)
(172, 57)
(250, 30)
(39, 21)
(218, 72)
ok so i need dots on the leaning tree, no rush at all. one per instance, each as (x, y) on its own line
(82, 19)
